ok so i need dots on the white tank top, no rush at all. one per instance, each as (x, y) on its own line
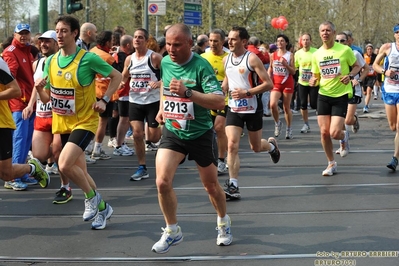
(240, 75)
(391, 85)
(42, 110)
(141, 72)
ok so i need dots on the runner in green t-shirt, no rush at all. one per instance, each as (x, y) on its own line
(190, 89)
(334, 66)
(68, 79)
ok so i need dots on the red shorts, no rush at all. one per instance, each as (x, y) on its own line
(43, 124)
(286, 87)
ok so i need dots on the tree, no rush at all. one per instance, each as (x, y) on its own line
(369, 20)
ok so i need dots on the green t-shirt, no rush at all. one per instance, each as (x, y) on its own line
(303, 62)
(89, 66)
(183, 117)
(332, 64)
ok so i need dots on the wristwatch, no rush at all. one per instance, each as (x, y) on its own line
(383, 71)
(248, 93)
(188, 93)
(105, 99)
(350, 76)
(359, 80)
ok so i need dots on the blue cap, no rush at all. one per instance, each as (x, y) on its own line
(396, 28)
(21, 26)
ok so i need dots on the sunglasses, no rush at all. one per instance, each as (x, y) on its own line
(396, 32)
(341, 41)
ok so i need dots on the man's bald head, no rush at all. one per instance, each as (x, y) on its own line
(126, 39)
(179, 29)
(127, 44)
(88, 32)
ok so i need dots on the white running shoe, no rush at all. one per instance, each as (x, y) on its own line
(330, 170)
(91, 207)
(112, 143)
(168, 239)
(122, 152)
(344, 145)
(89, 160)
(100, 156)
(222, 167)
(224, 233)
(305, 129)
(52, 170)
(288, 134)
(127, 148)
(277, 129)
(151, 147)
(100, 222)
(89, 148)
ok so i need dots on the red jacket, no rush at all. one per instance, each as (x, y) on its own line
(264, 58)
(20, 60)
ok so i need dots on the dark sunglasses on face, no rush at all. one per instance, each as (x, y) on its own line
(341, 41)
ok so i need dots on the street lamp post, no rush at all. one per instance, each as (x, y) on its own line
(43, 18)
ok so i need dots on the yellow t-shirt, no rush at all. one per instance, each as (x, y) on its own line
(216, 62)
(303, 62)
(332, 64)
(6, 120)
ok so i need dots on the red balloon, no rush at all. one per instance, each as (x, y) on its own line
(279, 23)
(273, 23)
(282, 22)
(284, 26)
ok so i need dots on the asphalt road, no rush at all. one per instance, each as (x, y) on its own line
(289, 213)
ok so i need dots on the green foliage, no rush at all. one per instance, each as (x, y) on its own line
(369, 20)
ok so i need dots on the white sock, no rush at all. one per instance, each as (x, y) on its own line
(65, 186)
(346, 127)
(222, 220)
(234, 181)
(97, 147)
(272, 147)
(375, 89)
(172, 227)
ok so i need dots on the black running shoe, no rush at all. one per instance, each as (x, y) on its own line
(232, 192)
(392, 165)
(274, 154)
(63, 196)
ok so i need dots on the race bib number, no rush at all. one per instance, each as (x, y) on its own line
(279, 69)
(43, 109)
(306, 75)
(139, 83)
(244, 105)
(178, 108)
(395, 79)
(63, 101)
(330, 69)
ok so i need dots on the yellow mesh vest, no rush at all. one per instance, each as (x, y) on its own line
(72, 102)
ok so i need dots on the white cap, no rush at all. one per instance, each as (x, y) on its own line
(50, 34)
